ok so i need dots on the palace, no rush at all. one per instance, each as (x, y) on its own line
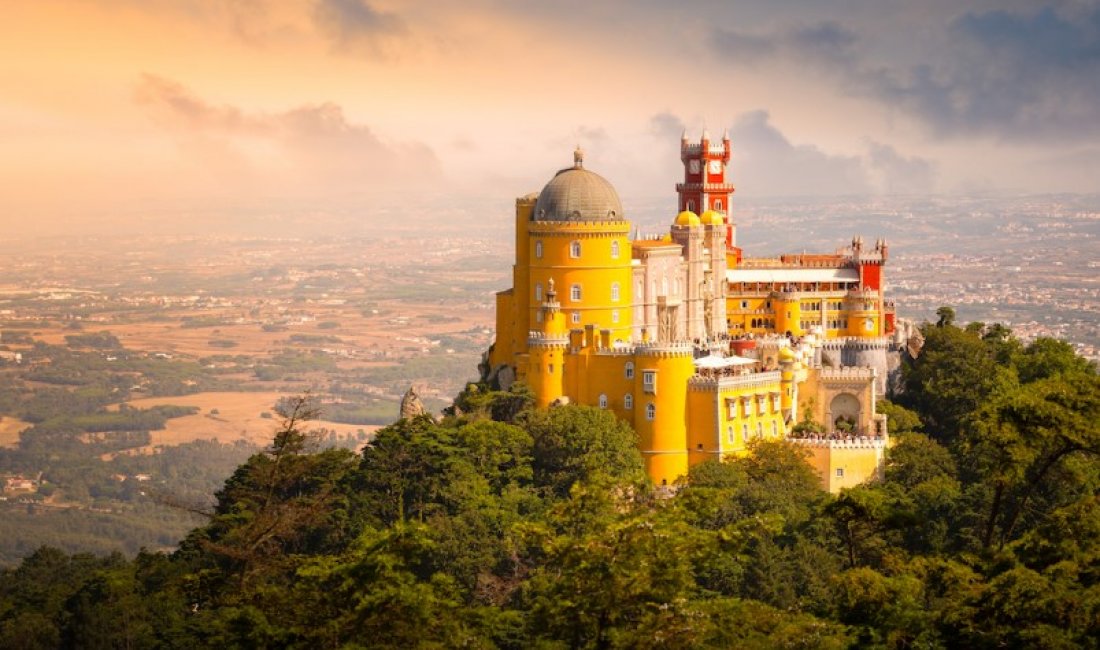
(699, 347)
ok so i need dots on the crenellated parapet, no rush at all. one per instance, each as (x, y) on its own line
(536, 339)
(848, 374)
(665, 350)
(858, 343)
(753, 380)
(847, 442)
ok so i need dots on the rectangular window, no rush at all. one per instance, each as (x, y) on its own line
(744, 304)
(649, 381)
(615, 316)
(575, 293)
(840, 472)
(576, 317)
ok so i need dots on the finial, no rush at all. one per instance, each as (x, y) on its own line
(550, 283)
(578, 157)
(684, 135)
(706, 134)
(726, 134)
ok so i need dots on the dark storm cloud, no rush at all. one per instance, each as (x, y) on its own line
(1016, 75)
(766, 162)
(353, 25)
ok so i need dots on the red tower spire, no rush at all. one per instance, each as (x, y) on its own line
(705, 186)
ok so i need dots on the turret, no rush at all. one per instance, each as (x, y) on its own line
(546, 345)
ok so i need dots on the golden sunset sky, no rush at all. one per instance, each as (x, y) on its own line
(132, 106)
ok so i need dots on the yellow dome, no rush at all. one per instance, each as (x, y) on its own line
(712, 218)
(687, 218)
(786, 354)
(667, 238)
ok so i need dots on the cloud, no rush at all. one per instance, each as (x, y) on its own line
(898, 174)
(666, 127)
(1019, 75)
(765, 162)
(308, 149)
(355, 26)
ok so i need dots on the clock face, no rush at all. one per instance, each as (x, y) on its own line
(693, 166)
(716, 167)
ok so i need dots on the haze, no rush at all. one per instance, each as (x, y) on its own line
(194, 114)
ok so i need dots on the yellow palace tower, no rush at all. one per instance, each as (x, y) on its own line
(701, 350)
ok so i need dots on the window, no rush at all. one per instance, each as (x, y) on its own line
(603, 401)
(628, 370)
(538, 292)
(538, 249)
(759, 429)
(775, 429)
(628, 401)
(614, 292)
(650, 411)
(615, 249)
(614, 315)
(550, 369)
(640, 289)
(731, 406)
(575, 293)
(717, 205)
(649, 381)
(538, 316)
(575, 249)
(840, 472)
(729, 434)
(691, 206)
(744, 304)
(745, 432)
(576, 317)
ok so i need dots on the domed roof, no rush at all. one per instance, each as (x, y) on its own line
(786, 354)
(576, 194)
(712, 218)
(687, 218)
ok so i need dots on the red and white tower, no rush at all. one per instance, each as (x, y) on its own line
(705, 187)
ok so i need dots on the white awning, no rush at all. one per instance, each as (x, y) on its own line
(793, 275)
(714, 362)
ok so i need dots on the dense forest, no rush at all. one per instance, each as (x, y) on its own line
(505, 526)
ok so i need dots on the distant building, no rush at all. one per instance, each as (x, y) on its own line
(700, 348)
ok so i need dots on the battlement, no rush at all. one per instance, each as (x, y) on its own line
(541, 339)
(846, 442)
(669, 349)
(848, 374)
(704, 383)
(858, 343)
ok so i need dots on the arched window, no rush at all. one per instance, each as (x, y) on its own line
(718, 205)
(538, 291)
(744, 432)
(691, 206)
(614, 249)
(664, 286)
(614, 292)
(775, 429)
(759, 429)
(614, 315)
(628, 370)
(575, 293)
(576, 317)
(538, 316)
(628, 401)
(650, 411)
(729, 434)
(538, 249)
(575, 249)
(603, 401)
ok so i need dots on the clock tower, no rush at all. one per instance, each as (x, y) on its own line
(705, 187)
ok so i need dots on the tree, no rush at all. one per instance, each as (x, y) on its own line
(577, 443)
(945, 316)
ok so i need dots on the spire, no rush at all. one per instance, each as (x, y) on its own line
(578, 157)
(684, 135)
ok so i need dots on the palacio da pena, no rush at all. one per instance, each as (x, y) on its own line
(700, 347)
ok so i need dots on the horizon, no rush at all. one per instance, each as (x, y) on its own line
(119, 107)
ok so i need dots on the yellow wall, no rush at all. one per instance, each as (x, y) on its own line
(858, 465)
(663, 440)
(595, 271)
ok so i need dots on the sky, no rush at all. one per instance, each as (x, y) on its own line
(159, 107)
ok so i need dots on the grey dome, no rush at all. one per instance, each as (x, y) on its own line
(576, 194)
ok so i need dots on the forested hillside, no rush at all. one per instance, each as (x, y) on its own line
(501, 526)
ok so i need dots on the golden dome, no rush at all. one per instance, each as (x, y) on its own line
(786, 354)
(687, 218)
(712, 218)
(667, 238)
